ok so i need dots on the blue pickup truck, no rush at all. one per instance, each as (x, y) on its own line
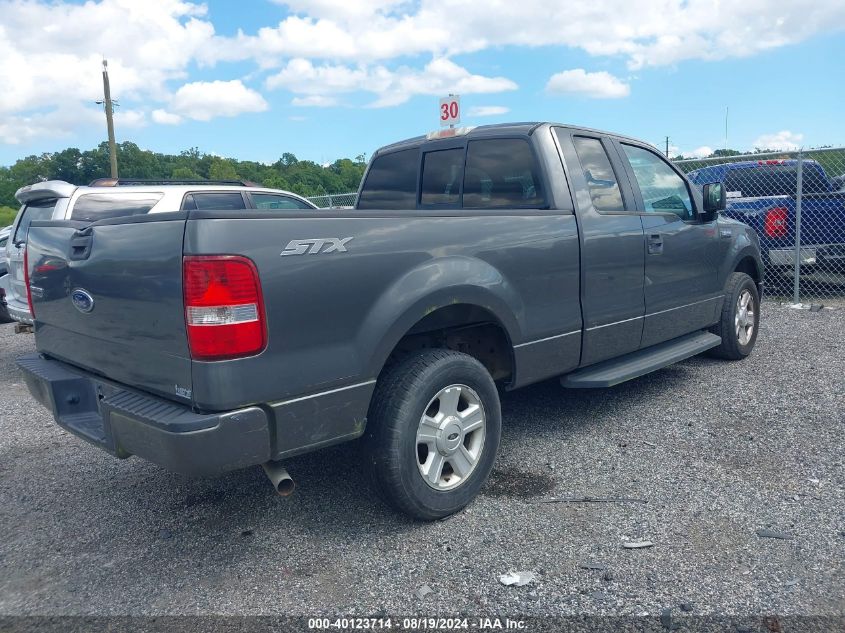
(762, 194)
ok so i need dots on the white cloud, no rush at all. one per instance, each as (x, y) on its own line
(700, 152)
(129, 118)
(488, 110)
(391, 87)
(50, 51)
(57, 123)
(784, 141)
(644, 32)
(599, 85)
(338, 9)
(314, 101)
(166, 118)
(204, 100)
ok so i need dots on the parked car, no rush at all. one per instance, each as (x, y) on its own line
(109, 198)
(475, 260)
(4, 312)
(762, 193)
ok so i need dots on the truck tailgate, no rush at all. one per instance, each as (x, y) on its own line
(108, 298)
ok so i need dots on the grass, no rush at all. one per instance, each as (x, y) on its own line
(7, 216)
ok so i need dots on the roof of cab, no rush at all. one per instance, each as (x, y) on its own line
(525, 128)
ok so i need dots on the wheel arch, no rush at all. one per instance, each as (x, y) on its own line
(442, 296)
(747, 262)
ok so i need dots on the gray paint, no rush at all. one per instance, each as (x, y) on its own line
(397, 269)
(135, 333)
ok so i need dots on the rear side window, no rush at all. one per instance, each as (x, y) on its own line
(441, 176)
(501, 173)
(774, 180)
(276, 201)
(34, 211)
(214, 201)
(391, 182)
(598, 172)
(100, 206)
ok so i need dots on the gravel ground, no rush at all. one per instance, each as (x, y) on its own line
(719, 450)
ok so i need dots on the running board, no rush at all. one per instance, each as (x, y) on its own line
(617, 370)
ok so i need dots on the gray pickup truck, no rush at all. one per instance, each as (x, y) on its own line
(476, 260)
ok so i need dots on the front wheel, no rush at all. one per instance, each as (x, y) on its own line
(740, 318)
(433, 430)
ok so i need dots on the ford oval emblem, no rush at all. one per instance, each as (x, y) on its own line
(82, 300)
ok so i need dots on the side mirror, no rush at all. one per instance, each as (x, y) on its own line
(715, 198)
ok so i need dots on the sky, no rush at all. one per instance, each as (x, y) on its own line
(326, 79)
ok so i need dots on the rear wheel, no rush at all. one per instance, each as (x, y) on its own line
(432, 432)
(740, 319)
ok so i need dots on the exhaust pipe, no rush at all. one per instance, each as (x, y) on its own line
(279, 477)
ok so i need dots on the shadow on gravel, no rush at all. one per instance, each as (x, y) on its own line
(517, 484)
(530, 409)
(146, 506)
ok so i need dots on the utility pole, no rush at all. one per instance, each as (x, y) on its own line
(667, 147)
(107, 103)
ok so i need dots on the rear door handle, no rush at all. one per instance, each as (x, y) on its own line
(655, 244)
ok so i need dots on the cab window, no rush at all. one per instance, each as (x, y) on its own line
(599, 174)
(502, 173)
(391, 182)
(662, 189)
(441, 177)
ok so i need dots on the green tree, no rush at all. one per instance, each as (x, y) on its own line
(184, 173)
(222, 169)
(81, 167)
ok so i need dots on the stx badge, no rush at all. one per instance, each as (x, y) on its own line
(314, 246)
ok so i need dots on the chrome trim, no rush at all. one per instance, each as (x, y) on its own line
(686, 305)
(548, 338)
(323, 393)
(598, 327)
(650, 314)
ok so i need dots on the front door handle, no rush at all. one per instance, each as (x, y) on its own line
(655, 244)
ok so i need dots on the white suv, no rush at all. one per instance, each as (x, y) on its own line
(110, 198)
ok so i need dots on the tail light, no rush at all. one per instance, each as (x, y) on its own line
(224, 309)
(776, 223)
(26, 281)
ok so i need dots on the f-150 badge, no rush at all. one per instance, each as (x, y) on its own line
(314, 246)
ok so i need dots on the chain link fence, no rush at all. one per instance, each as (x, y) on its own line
(334, 200)
(795, 201)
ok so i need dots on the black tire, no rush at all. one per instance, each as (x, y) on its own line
(402, 395)
(731, 347)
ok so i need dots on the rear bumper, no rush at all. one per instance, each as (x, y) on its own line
(821, 255)
(125, 422)
(18, 310)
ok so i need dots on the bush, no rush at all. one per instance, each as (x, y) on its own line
(7, 216)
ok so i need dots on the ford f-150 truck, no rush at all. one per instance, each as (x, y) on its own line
(762, 194)
(475, 260)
